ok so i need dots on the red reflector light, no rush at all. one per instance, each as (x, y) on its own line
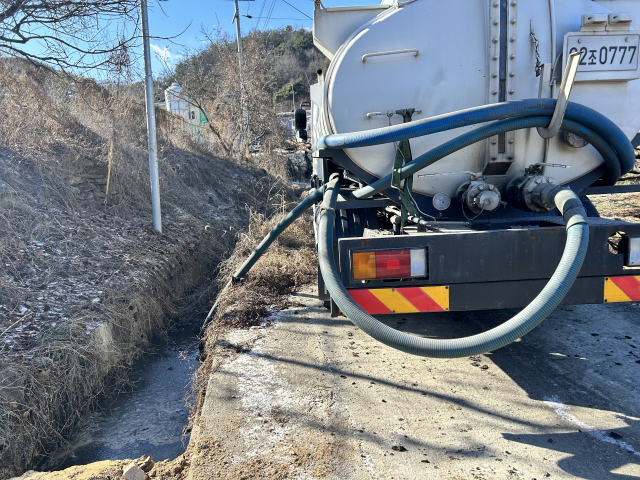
(393, 264)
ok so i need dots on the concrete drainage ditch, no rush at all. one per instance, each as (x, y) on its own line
(149, 416)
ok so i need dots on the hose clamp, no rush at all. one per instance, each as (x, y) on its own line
(574, 215)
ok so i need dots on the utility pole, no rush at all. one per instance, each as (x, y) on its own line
(151, 120)
(245, 114)
(236, 18)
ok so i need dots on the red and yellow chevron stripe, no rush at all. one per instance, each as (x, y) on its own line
(621, 289)
(378, 301)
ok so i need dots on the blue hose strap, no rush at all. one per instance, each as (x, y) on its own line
(486, 131)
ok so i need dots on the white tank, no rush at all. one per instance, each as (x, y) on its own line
(439, 57)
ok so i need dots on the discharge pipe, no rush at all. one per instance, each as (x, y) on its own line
(313, 198)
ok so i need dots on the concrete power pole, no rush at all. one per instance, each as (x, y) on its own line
(151, 120)
(238, 34)
(245, 114)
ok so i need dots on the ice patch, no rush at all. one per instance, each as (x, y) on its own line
(563, 412)
(266, 398)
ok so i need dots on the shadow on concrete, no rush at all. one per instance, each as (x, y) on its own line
(348, 376)
(576, 444)
(534, 366)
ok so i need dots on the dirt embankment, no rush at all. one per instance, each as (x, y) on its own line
(289, 265)
(85, 281)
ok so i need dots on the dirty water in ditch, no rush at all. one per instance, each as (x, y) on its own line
(146, 419)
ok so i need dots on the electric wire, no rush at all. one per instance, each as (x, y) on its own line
(261, 10)
(285, 1)
(267, 15)
(266, 22)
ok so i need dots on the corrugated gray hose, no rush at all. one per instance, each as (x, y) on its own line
(525, 321)
(313, 198)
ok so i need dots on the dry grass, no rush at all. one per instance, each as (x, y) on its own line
(290, 263)
(621, 206)
(85, 285)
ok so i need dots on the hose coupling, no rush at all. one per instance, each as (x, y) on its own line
(524, 192)
(573, 212)
(539, 194)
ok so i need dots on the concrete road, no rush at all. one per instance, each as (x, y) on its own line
(313, 397)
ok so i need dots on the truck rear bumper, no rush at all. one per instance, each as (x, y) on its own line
(504, 267)
(491, 295)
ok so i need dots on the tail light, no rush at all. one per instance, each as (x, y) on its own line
(632, 253)
(380, 264)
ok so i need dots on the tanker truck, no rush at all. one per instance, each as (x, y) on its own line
(454, 147)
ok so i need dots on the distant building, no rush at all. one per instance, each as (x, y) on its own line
(179, 104)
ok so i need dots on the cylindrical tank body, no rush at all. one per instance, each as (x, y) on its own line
(439, 57)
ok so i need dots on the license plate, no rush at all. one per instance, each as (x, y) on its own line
(605, 57)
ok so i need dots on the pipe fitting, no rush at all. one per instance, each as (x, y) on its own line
(525, 193)
(480, 197)
(573, 212)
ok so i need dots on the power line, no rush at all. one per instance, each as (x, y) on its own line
(285, 1)
(266, 22)
(273, 7)
(261, 10)
(266, 16)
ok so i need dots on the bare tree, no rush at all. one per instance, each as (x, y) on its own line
(274, 62)
(70, 34)
(210, 82)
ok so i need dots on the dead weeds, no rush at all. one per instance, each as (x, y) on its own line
(288, 264)
(619, 206)
(85, 281)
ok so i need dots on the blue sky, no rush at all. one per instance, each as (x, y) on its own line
(176, 15)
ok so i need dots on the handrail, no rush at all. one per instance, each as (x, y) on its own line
(415, 52)
(390, 112)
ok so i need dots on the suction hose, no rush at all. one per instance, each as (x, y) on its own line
(588, 119)
(525, 321)
(611, 158)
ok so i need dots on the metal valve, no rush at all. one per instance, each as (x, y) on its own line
(521, 194)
